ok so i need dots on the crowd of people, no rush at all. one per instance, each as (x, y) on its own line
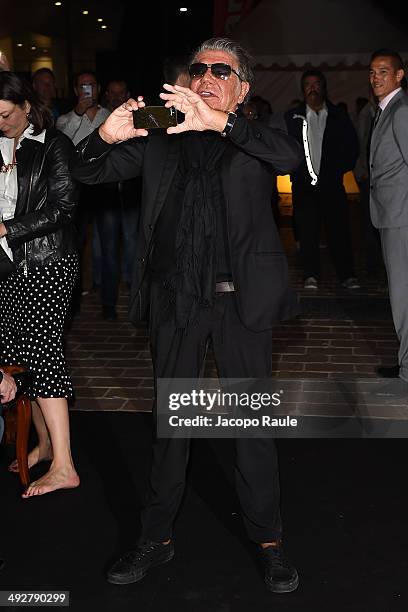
(200, 247)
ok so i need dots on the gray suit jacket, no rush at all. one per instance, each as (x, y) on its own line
(389, 166)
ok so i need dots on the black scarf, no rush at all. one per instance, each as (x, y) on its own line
(193, 282)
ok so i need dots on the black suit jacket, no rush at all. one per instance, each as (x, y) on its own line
(255, 152)
(339, 147)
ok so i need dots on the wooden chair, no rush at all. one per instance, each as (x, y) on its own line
(17, 419)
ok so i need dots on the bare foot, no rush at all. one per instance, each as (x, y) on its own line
(35, 456)
(55, 478)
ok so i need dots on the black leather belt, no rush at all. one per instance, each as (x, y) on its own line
(224, 287)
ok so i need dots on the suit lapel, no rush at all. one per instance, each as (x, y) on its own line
(230, 164)
(298, 124)
(327, 135)
(226, 162)
(379, 128)
(166, 156)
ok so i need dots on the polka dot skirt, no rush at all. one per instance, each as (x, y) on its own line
(32, 313)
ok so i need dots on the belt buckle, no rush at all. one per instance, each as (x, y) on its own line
(224, 287)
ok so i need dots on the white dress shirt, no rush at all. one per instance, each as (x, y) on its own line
(8, 180)
(388, 98)
(77, 127)
(316, 122)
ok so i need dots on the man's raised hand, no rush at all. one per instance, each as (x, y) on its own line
(119, 125)
(198, 115)
(83, 105)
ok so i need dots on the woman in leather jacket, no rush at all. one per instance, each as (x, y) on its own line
(37, 202)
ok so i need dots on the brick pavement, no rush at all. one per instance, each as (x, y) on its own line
(341, 335)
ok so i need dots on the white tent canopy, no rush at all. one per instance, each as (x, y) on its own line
(337, 36)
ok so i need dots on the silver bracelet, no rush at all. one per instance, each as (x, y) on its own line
(232, 117)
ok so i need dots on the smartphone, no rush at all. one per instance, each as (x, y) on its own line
(87, 89)
(154, 117)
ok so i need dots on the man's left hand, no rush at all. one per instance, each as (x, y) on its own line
(198, 116)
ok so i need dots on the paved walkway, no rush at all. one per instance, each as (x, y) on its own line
(341, 335)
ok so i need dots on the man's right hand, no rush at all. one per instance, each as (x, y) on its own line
(8, 388)
(83, 105)
(119, 125)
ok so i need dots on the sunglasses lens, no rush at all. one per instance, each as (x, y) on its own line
(221, 71)
(197, 70)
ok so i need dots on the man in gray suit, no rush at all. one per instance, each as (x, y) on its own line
(388, 161)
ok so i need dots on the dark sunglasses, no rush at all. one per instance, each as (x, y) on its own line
(219, 70)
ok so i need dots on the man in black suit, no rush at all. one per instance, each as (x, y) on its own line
(330, 148)
(210, 245)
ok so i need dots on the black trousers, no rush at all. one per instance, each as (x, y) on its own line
(314, 206)
(89, 200)
(238, 353)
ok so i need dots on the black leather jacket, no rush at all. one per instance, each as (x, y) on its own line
(42, 229)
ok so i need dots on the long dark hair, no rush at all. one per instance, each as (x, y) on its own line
(17, 90)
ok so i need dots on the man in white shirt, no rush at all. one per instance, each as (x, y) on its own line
(85, 117)
(330, 148)
(388, 164)
(116, 221)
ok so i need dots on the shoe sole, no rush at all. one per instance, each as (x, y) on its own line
(287, 587)
(393, 375)
(138, 577)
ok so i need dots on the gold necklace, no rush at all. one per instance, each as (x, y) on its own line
(9, 167)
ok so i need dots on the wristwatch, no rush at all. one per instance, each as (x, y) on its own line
(230, 124)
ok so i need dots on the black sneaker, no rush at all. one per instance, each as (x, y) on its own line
(397, 388)
(280, 575)
(388, 372)
(134, 566)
